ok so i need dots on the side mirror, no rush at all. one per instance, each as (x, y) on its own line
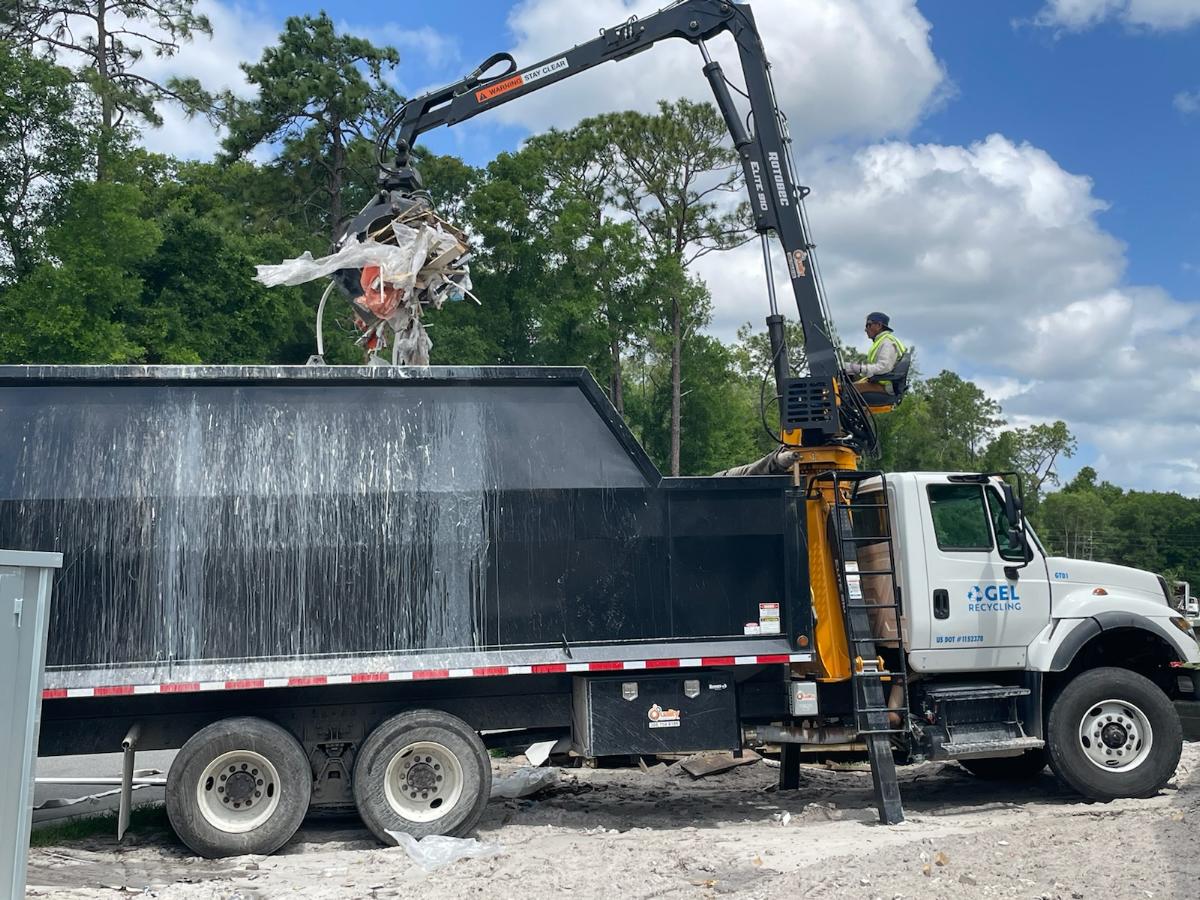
(1012, 508)
(1016, 525)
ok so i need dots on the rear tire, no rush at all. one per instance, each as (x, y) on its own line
(1026, 767)
(422, 772)
(1113, 733)
(238, 786)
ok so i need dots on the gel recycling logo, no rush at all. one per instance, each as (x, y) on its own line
(993, 598)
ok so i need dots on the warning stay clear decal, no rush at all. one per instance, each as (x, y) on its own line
(497, 88)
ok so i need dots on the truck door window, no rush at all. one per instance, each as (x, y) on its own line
(867, 519)
(960, 517)
(1008, 550)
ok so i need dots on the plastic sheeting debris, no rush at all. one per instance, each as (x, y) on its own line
(538, 754)
(434, 851)
(410, 268)
(523, 783)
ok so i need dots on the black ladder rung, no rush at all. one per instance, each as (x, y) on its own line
(873, 572)
(862, 540)
(854, 506)
(872, 606)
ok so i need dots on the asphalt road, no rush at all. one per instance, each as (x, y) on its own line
(90, 799)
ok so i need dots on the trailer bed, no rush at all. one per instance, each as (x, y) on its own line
(227, 527)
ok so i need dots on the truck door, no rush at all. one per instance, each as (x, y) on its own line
(980, 616)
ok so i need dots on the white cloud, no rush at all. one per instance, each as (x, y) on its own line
(239, 35)
(1077, 15)
(990, 259)
(1187, 102)
(842, 68)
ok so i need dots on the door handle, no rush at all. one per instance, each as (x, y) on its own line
(941, 604)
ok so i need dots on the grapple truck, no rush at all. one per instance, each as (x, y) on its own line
(337, 587)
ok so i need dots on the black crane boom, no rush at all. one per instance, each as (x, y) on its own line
(763, 148)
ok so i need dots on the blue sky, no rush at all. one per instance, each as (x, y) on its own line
(1015, 182)
(1100, 102)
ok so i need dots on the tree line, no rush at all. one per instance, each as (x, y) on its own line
(584, 241)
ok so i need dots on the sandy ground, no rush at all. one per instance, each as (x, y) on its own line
(625, 833)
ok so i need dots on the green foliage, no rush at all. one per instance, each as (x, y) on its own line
(69, 308)
(1033, 452)
(111, 37)
(149, 820)
(752, 352)
(314, 96)
(674, 168)
(669, 172)
(157, 270)
(47, 142)
(1149, 530)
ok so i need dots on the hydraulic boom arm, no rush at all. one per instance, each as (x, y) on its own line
(776, 200)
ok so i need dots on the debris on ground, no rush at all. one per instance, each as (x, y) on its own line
(614, 832)
(711, 763)
(435, 850)
(523, 783)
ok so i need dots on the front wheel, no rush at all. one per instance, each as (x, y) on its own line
(1113, 733)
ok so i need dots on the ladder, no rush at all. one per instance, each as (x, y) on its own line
(872, 679)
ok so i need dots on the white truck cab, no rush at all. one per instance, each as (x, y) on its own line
(1015, 657)
(973, 600)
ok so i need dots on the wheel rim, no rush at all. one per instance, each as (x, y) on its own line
(1115, 735)
(238, 791)
(424, 781)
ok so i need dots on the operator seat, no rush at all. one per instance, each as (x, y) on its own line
(878, 398)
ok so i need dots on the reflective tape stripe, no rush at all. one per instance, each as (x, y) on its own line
(547, 668)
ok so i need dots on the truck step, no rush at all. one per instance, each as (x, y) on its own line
(955, 693)
(990, 748)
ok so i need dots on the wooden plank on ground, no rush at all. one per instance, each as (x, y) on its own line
(712, 763)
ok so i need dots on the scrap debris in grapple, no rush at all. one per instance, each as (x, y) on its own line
(389, 275)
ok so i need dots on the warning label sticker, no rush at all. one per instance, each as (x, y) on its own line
(513, 82)
(497, 88)
(543, 70)
(853, 580)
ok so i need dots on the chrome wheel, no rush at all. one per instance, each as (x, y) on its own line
(238, 791)
(1116, 735)
(424, 781)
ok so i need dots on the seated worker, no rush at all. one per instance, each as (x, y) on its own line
(885, 352)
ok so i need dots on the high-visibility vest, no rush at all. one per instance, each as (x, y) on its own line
(874, 351)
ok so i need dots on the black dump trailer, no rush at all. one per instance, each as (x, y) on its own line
(337, 587)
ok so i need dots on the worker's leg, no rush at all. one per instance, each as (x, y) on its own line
(874, 394)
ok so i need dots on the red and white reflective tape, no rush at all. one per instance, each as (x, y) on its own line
(550, 668)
